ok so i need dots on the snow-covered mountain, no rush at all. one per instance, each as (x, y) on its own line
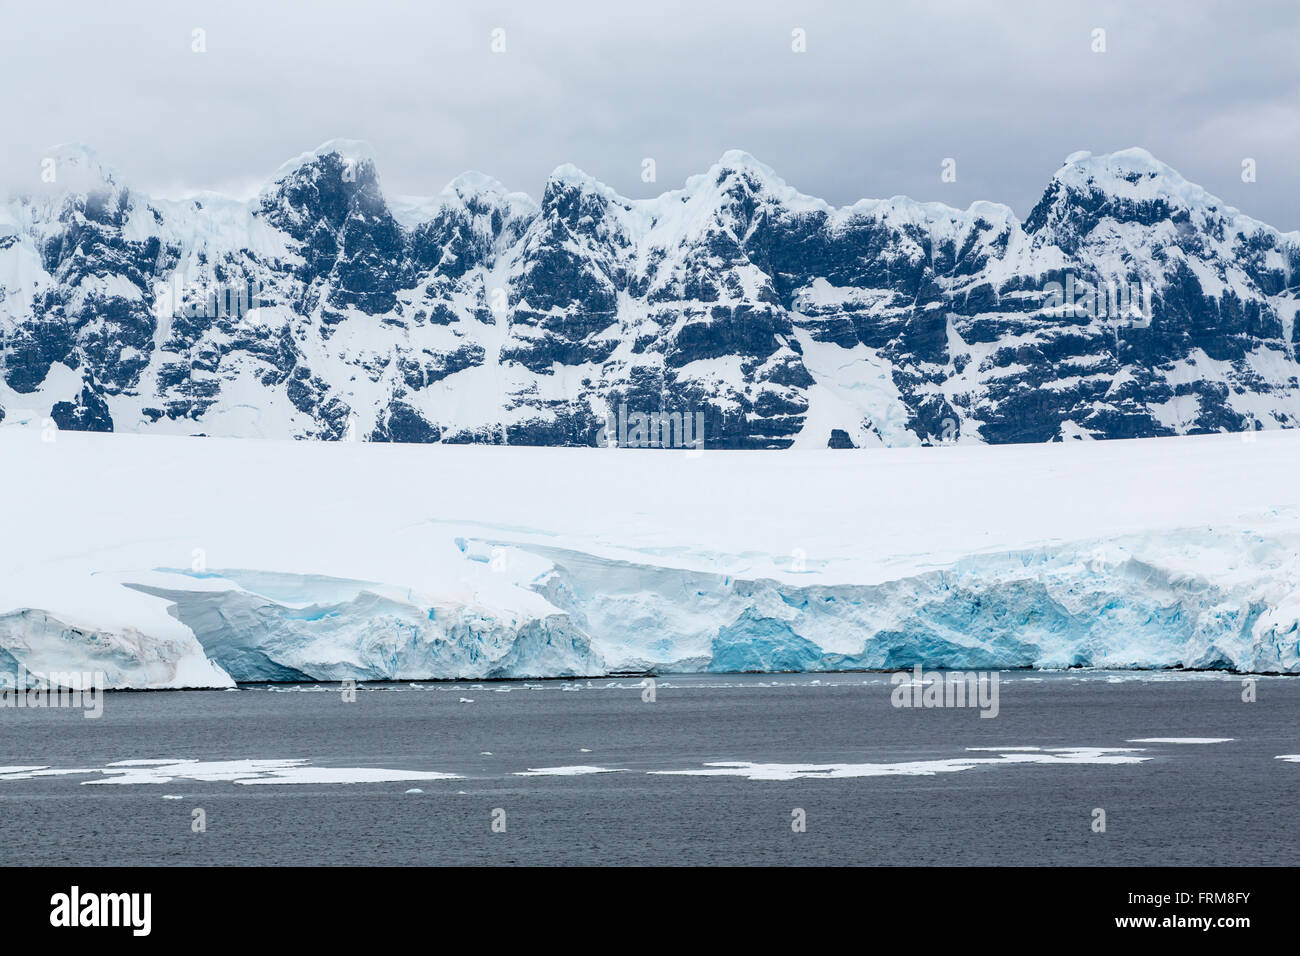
(324, 309)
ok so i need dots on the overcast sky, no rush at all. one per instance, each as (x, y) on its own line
(884, 93)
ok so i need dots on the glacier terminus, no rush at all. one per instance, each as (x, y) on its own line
(173, 561)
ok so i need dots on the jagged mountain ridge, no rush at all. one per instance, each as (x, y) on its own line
(481, 315)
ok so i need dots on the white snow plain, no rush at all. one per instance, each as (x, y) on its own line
(194, 562)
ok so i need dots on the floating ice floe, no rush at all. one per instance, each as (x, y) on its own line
(577, 771)
(1054, 756)
(294, 771)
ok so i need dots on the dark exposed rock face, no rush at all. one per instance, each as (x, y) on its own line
(88, 413)
(324, 310)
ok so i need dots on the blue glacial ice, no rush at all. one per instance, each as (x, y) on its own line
(1078, 605)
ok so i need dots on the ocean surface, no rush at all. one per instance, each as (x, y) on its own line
(717, 769)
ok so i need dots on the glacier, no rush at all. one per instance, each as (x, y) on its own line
(169, 561)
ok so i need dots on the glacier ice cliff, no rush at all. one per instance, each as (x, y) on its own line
(325, 561)
(1085, 605)
(362, 635)
(1115, 605)
(44, 647)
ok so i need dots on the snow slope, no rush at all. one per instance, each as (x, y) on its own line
(169, 561)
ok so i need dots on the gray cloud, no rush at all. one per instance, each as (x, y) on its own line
(883, 94)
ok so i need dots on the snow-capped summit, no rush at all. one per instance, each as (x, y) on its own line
(567, 174)
(348, 151)
(480, 315)
(471, 185)
(738, 173)
(572, 195)
(1135, 176)
(737, 162)
(78, 168)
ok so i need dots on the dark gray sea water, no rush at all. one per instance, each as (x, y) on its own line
(877, 784)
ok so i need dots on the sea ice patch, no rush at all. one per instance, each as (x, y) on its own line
(249, 772)
(577, 771)
(1018, 755)
(1181, 740)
